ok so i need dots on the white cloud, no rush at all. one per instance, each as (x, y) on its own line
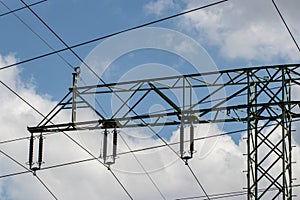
(250, 30)
(159, 6)
(215, 166)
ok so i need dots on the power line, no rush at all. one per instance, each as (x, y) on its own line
(21, 8)
(112, 34)
(39, 179)
(288, 29)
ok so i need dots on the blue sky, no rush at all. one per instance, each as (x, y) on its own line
(234, 34)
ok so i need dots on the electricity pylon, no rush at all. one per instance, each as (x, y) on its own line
(260, 97)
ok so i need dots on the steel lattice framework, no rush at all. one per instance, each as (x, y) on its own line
(261, 97)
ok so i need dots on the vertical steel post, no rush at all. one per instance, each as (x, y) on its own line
(74, 94)
(192, 137)
(251, 175)
(181, 138)
(290, 169)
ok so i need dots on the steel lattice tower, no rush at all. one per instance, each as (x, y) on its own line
(277, 110)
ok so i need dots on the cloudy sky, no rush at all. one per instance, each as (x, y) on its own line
(233, 34)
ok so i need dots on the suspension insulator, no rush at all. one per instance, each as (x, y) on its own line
(181, 140)
(186, 148)
(115, 141)
(191, 139)
(41, 143)
(30, 158)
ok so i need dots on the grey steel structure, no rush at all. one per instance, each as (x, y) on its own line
(260, 97)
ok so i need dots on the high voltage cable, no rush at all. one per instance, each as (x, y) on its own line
(287, 27)
(39, 179)
(112, 34)
(21, 8)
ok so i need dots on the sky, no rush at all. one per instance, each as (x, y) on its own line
(230, 35)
